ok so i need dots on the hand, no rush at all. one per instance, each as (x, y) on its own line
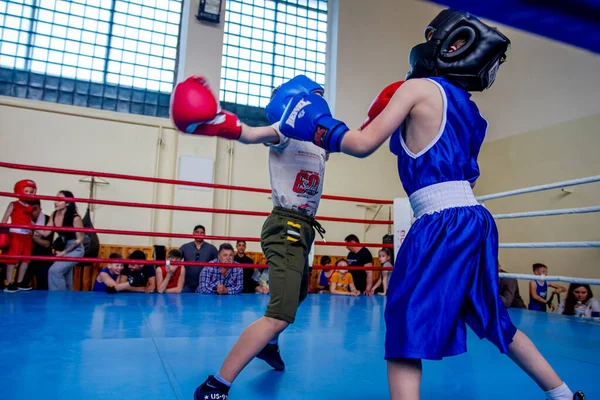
(355, 293)
(195, 109)
(369, 292)
(60, 253)
(309, 119)
(222, 289)
(380, 102)
(382, 293)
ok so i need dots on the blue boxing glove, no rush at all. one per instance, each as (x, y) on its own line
(309, 119)
(283, 94)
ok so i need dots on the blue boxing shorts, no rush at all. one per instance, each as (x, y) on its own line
(445, 277)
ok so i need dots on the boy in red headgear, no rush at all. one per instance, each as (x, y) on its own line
(20, 241)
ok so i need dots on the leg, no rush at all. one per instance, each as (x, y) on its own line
(22, 272)
(404, 378)
(69, 277)
(58, 274)
(10, 270)
(252, 341)
(524, 353)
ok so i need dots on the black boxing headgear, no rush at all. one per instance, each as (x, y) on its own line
(473, 66)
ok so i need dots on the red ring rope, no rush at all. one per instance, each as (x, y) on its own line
(184, 208)
(7, 257)
(170, 235)
(37, 168)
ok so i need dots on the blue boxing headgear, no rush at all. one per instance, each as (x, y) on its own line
(283, 94)
(472, 67)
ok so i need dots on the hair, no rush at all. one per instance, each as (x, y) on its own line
(570, 301)
(137, 255)
(537, 266)
(225, 246)
(240, 241)
(352, 238)
(175, 254)
(115, 256)
(337, 263)
(71, 211)
(387, 251)
(199, 227)
(35, 202)
(325, 260)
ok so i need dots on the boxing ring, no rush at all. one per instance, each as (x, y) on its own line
(75, 345)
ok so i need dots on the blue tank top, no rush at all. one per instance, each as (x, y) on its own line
(452, 155)
(542, 291)
(101, 286)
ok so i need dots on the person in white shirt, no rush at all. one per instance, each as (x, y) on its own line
(580, 302)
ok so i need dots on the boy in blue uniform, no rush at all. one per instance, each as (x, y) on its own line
(436, 131)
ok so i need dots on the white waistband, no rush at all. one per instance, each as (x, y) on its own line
(441, 196)
(19, 231)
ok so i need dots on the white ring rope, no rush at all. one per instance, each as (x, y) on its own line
(549, 245)
(545, 213)
(568, 279)
(532, 189)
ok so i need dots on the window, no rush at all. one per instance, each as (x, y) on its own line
(108, 54)
(268, 42)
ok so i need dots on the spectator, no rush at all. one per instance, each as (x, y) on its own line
(108, 277)
(196, 251)
(580, 301)
(137, 277)
(538, 290)
(250, 284)
(170, 278)
(360, 257)
(221, 280)
(20, 242)
(509, 291)
(42, 246)
(324, 276)
(67, 244)
(342, 282)
(385, 256)
(261, 277)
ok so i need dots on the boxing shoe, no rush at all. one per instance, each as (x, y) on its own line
(270, 354)
(579, 396)
(211, 389)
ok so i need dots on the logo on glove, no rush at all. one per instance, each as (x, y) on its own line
(291, 120)
(320, 134)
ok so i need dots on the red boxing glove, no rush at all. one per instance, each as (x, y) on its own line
(380, 102)
(194, 109)
(4, 240)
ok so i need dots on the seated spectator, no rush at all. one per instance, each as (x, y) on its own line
(196, 251)
(360, 256)
(261, 277)
(108, 277)
(324, 276)
(171, 278)
(221, 280)
(381, 286)
(342, 282)
(509, 291)
(538, 290)
(250, 284)
(137, 277)
(580, 302)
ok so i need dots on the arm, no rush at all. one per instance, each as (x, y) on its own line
(151, 286)
(106, 279)
(7, 213)
(238, 281)
(50, 223)
(534, 294)
(363, 143)
(41, 241)
(557, 288)
(77, 223)
(508, 291)
(161, 283)
(353, 290)
(369, 289)
(180, 282)
(257, 135)
(208, 284)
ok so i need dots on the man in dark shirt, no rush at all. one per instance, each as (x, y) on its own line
(196, 251)
(509, 292)
(42, 246)
(241, 257)
(360, 257)
(138, 277)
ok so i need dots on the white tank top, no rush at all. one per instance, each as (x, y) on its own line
(297, 172)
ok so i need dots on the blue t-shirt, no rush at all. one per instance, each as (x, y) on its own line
(101, 286)
(542, 291)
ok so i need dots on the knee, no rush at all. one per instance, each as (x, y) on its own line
(276, 325)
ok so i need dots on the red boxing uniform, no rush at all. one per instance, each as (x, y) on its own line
(21, 242)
